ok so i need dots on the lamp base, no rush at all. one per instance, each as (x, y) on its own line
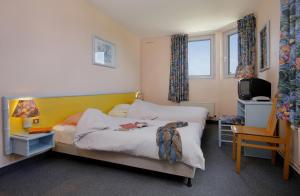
(27, 123)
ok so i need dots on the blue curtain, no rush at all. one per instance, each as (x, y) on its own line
(179, 76)
(246, 47)
(288, 106)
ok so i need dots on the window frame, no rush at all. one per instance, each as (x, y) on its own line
(226, 52)
(212, 55)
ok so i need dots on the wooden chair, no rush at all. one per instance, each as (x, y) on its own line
(268, 135)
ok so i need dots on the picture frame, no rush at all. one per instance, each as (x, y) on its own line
(104, 53)
(264, 47)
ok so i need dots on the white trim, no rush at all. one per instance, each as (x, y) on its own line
(210, 37)
(69, 94)
(5, 126)
(226, 53)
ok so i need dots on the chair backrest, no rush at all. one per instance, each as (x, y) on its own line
(272, 121)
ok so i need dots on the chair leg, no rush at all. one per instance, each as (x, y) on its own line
(233, 146)
(287, 152)
(286, 165)
(274, 154)
(189, 182)
(238, 156)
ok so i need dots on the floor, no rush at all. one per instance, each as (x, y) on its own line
(57, 174)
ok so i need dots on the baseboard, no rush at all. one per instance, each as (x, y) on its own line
(293, 164)
(23, 161)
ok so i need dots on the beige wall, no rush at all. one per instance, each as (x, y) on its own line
(270, 10)
(46, 48)
(155, 76)
(155, 61)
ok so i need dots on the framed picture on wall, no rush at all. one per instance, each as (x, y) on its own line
(104, 53)
(264, 48)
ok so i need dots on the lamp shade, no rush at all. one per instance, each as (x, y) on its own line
(26, 109)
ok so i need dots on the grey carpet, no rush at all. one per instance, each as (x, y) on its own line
(57, 174)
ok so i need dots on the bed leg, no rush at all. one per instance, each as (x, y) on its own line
(189, 182)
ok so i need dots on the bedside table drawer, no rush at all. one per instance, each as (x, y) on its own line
(32, 144)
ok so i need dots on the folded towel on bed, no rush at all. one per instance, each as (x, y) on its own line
(169, 141)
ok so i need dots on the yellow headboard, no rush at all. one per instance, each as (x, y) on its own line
(54, 110)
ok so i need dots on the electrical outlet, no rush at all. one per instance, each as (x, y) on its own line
(36, 121)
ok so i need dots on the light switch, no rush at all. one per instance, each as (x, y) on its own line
(36, 121)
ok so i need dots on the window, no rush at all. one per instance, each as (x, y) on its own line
(200, 57)
(230, 53)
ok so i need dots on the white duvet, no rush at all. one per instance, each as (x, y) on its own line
(97, 131)
(146, 110)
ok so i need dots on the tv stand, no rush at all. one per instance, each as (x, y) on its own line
(256, 114)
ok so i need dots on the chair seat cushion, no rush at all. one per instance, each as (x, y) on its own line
(232, 120)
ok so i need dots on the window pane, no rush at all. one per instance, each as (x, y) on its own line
(233, 53)
(199, 58)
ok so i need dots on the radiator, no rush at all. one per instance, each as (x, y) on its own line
(209, 106)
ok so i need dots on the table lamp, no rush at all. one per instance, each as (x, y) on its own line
(26, 109)
(139, 95)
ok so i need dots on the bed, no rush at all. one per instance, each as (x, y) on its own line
(140, 109)
(135, 148)
(55, 108)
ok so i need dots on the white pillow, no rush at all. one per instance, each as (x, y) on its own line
(120, 110)
(93, 119)
(64, 133)
(64, 128)
(142, 110)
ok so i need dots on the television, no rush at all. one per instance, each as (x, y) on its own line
(253, 87)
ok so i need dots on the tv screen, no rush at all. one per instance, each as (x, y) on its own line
(245, 88)
(253, 87)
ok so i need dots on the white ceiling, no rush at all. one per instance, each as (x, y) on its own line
(164, 17)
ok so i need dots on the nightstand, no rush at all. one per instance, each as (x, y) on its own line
(31, 144)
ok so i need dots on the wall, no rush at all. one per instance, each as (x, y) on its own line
(156, 68)
(46, 49)
(270, 10)
(222, 91)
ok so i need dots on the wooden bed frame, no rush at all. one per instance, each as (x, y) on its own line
(178, 169)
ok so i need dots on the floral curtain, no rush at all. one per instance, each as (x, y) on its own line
(288, 106)
(179, 76)
(246, 47)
